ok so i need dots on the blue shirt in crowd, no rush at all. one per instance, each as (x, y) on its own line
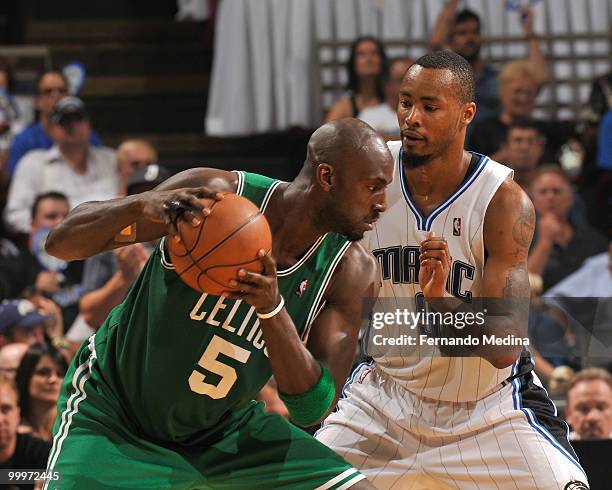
(34, 138)
(604, 150)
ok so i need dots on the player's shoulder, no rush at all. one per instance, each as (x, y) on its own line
(358, 263)
(510, 200)
(355, 277)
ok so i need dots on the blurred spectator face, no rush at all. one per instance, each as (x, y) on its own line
(367, 59)
(524, 147)
(29, 335)
(49, 213)
(46, 381)
(3, 80)
(517, 97)
(10, 357)
(589, 409)
(133, 154)
(551, 194)
(74, 132)
(396, 74)
(466, 40)
(9, 415)
(51, 89)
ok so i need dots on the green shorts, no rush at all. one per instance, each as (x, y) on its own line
(96, 448)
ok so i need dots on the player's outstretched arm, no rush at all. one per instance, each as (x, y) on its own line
(97, 226)
(508, 230)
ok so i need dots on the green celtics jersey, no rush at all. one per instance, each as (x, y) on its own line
(178, 361)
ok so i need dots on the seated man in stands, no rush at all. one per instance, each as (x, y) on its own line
(72, 166)
(21, 322)
(52, 86)
(589, 405)
(133, 154)
(522, 150)
(559, 246)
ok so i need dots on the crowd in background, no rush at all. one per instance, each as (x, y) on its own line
(49, 306)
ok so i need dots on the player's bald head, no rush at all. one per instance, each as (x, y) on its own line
(345, 143)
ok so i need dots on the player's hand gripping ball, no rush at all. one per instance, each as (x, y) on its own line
(209, 255)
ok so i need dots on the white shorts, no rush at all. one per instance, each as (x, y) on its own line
(510, 439)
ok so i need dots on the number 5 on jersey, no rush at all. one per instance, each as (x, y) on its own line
(210, 362)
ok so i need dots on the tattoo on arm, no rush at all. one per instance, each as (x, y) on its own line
(517, 279)
(523, 228)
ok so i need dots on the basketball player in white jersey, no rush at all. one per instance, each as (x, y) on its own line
(457, 227)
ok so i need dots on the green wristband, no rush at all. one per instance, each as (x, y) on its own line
(307, 408)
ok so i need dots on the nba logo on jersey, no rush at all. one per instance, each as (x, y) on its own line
(302, 288)
(457, 226)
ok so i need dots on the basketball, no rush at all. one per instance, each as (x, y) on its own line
(209, 255)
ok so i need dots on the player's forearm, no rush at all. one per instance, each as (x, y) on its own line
(96, 305)
(92, 226)
(294, 367)
(439, 36)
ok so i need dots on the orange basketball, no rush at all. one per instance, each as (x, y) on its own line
(209, 255)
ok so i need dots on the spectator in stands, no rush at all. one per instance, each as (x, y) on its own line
(367, 68)
(10, 358)
(461, 33)
(24, 268)
(52, 86)
(109, 275)
(518, 87)
(589, 405)
(17, 451)
(39, 379)
(34, 270)
(523, 149)
(383, 117)
(20, 321)
(559, 246)
(132, 154)
(83, 172)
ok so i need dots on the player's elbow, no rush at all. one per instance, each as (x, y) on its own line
(52, 245)
(59, 245)
(507, 359)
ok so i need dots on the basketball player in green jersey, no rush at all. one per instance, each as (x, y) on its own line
(162, 395)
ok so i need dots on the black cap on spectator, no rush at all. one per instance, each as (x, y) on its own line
(67, 109)
(146, 178)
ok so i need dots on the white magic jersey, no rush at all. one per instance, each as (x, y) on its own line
(395, 242)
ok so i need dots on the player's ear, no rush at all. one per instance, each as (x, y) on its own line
(325, 176)
(468, 112)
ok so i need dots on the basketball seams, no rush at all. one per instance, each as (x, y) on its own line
(199, 235)
(195, 261)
